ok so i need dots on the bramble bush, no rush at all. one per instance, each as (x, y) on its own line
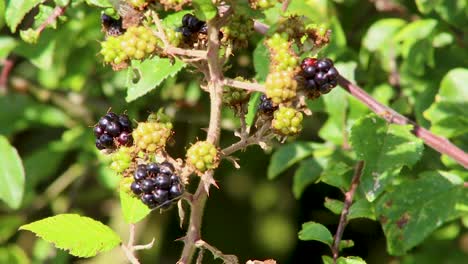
(128, 121)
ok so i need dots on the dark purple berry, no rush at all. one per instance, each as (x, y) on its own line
(152, 168)
(147, 185)
(175, 191)
(106, 20)
(324, 64)
(309, 71)
(106, 140)
(125, 139)
(166, 168)
(308, 62)
(332, 73)
(204, 30)
(112, 116)
(162, 182)
(125, 123)
(99, 145)
(148, 199)
(161, 196)
(320, 78)
(136, 189)
(186, 18)
(325, 88)
(98, 131)
(311, 85)
(113, 129)
(266, 105)
(139, 174)
(185, 31)
(333, 82)
(104, 121)
(175, 179)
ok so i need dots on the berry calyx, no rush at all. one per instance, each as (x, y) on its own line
(202, 156)
(287, 121)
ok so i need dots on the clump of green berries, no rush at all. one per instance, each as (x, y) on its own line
(136, 43)
(202, 156)
(238, 31)
(122, 159)
(287, 121)
(282, 56)
(280, 86)
(234, 96)
(152, 136)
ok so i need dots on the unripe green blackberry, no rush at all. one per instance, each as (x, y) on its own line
(139, 42)
(238, 31)
(202, 156)
(112, 51)
(280, 86)
(122, 159)
(293, 26)
(234, 96)
(140, 4)
(152, 136)
(287, 121)
(174, 37)
(282, 56)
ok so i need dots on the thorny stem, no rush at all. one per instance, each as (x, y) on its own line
(344, 213)
(244, 85)
(58, 11)
(440, 144)
(215, 87)
(130, 248)
(227, 259)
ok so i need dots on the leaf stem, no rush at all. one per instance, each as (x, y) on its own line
(344, 213)
(58, 11)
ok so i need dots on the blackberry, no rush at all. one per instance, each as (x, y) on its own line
(111, 26)
(320, 74)
(202, 156)
(112, 131)
(266, 105)
(234, 96)
(156, 189)
(287, 121)
(192, 25)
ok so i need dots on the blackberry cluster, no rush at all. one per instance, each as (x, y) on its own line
(136, 43)
(238, 31)
(266, 105)
(287, 121)
(111, 26)
(112, 131)
(320, 75)
(191, 25)
(202, 156)
(157, 185)
(152, 136)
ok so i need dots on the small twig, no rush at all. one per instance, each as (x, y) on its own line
(285, 5)
(58, 11)
(130, 248)
(344, 213)
(228, 259)
(201, 252)
(159, 26)
(261, 27)
(440, 144)
(249, 86)
(8, 65)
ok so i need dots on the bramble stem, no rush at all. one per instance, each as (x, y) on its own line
(344, 213)
(58, 11)
(249, 86)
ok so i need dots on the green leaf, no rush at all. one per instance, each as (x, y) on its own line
(414, 209)
(17, 9)
(337, 174)
(2, 13)
(11, 175)
(308, 172)
(361, 209)
(315, 231)
(133, 209)
(252, 108)
(261, 61)
(204, 9)
(426, 6)
(174, 20)
(448, 113)
(417, 30)
(42, 53)
(335, 206)
(99, 3)
(454, 12)
(288, 155)
(350, 260)
(13, 254)
(7, 44)
(381, 33)
(385, 148)
(150, 73)
(81, 236)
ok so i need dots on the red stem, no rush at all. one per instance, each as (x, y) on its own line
(440, 144)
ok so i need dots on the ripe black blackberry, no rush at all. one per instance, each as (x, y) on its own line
(113, 130)
(157, 184)
(266, 105)
(111, 26)
(320, 75)
(192, 25)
